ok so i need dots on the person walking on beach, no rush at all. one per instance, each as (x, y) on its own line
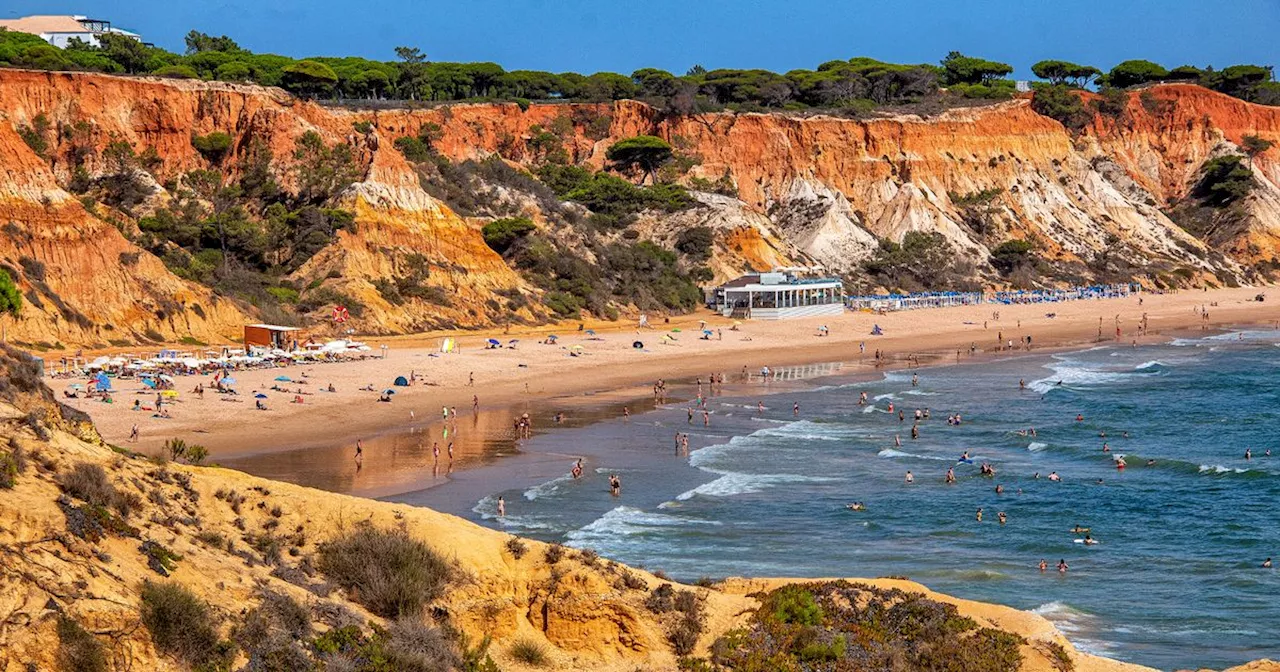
(502, 507)
(435, 450)
(471, 379)
(359, 455)
(451, 451)
(475, 404)
(133, 433)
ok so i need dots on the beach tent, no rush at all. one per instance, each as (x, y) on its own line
(388, 391)
(284, 379)
(401, 381)
(102, 381)
(228, 381)
(448, 345)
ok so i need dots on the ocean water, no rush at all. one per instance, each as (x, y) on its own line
(1174, 582)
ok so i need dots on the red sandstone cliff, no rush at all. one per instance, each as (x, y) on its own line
(811, 189)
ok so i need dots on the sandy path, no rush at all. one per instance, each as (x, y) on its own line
(534, 372)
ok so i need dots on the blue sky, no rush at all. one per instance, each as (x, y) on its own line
(621, 35)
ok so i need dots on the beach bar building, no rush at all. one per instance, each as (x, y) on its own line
(778, 296)
(271, 336)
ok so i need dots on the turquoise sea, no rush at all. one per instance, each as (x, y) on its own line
(1174, 582)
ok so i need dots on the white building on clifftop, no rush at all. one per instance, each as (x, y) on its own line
(59, 29)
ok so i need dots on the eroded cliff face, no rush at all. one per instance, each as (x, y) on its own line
(82, 281)
(812, 191)
(832, 186)
(394, 217)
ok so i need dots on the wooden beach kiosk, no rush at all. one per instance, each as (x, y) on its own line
(272, 336)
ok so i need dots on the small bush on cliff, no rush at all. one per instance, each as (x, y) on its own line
(88, 482)
(182, 626)
(273, 634)
(79, 651)
(13, 462)
(389, 572)
(529, 652)
(696, 242)
(1224, 180)
(36, 135)
(500, 234)
(1063, 104)
(924, 261)
(213, 146)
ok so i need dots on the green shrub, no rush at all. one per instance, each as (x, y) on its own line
(1224, 181)
(284, 294)
(500, 234)
(363, 127)
(529, 652)
(696, 242)
(182, 626)
(272, 635)
(1011, 254)
(13, 462)
(213, 146)
(88, 482)
(160, 559)
(79, 651)
(795, 605)
(1060, 102)
(390, 573)
(177, 72)
(36, 135)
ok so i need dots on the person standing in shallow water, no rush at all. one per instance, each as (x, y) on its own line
(502, 507)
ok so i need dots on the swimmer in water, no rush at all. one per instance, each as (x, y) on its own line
(964, 457)
(999, 489)
(1266, 564)
(910, 479)
(1022, 384)
(1248, 453)
(1003, 518)
(856, 506)
(760, 407)
(795, 409)
(1079, 530)
(951, 476)
(1079, 417)
(615, 485)
(1089, 541)
(1062, 566)
(1043, 565)
(1151, 463)
(1105, 447)
(1053, 476)
(979, 514)
(502, 507)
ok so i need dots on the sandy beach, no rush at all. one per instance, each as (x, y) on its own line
(535, 375)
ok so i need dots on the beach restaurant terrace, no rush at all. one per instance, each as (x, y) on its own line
(776, 296)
